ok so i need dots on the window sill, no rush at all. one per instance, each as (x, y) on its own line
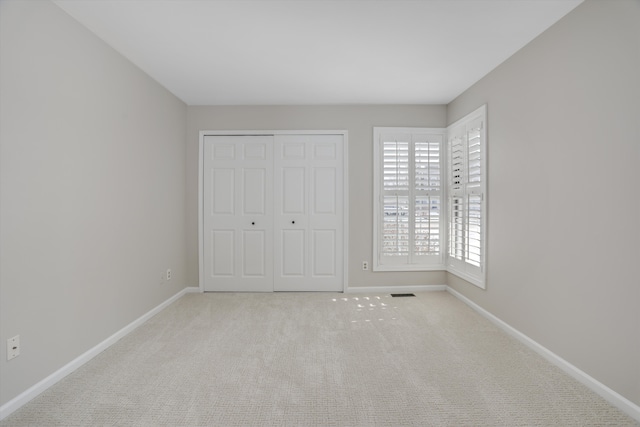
(436, 267)
(479, 282)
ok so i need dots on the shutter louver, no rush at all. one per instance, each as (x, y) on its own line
(457, 164)
(395, 226)
(395, 166)
(427, 196)
(427, 225)
(395, 175)
(466, 234)
(473, 230)
(408, 175)
(456, 227)
(456, 201)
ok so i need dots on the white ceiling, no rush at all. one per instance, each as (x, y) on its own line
(278, 52)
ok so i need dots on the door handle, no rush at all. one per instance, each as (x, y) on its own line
(253, 223)
(293, 222)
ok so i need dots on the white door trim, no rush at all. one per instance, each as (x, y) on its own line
(345, 210)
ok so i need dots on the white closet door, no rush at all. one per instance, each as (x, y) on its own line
(238, 213)
(308, 195)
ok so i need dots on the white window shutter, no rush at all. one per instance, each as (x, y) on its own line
(466, 140)
(407, 174)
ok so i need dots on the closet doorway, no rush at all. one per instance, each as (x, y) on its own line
(273, 211)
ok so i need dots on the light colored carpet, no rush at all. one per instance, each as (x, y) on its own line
(289, 359)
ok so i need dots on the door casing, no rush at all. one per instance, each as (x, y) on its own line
(345, 192)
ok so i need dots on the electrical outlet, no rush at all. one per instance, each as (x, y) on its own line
(168, 274)
(365, 265)
(13, 347)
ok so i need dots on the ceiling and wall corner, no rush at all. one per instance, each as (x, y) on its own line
(281, 52)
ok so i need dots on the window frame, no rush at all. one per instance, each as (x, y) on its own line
(477, 188)
(434, 262)
(464, 189)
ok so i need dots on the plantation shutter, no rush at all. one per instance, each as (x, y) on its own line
(475, 194)
(427, 195)
(408, 230)
(456, 197)
(395, 222)
(467, 205)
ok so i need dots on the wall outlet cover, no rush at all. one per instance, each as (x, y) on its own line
(13, 347)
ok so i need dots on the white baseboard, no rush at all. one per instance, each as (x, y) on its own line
(27, 395)
(594, 385)
(602, 390)
(395, 289)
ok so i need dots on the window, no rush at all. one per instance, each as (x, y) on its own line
(466, 158)
(430, 198)
(408, 231)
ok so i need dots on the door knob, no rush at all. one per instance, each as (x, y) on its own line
(293, 222)
(253, 223)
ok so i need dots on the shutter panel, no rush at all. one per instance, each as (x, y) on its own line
(408, 174)
(456, 227)
(396, 214)
(466, 233)
(395, 165)
(457, 164)
(395, 226)
(427, 225)
(473, 229)
(427, 166)
(474, 171)
(456, 199)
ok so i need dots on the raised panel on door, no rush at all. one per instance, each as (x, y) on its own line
(238, 213)
(254, 191)
(222, 254)
(253, 253)
(326, 215)
(324, 191)
(308, 198)
(293, 253)
(323, 259)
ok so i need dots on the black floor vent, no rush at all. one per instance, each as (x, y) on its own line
(402, 295)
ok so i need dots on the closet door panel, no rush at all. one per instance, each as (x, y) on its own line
(273, 213)
(238, 213)
(308, 199)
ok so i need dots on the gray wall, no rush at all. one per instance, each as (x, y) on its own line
(564, 209)
(98, 189)
(359, 121)
(92, 191)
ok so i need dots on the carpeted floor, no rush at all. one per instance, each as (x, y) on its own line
(314, 359)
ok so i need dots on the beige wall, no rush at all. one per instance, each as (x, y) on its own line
(96, 173)
(92, 179)
(564, 209)
(359, 121)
